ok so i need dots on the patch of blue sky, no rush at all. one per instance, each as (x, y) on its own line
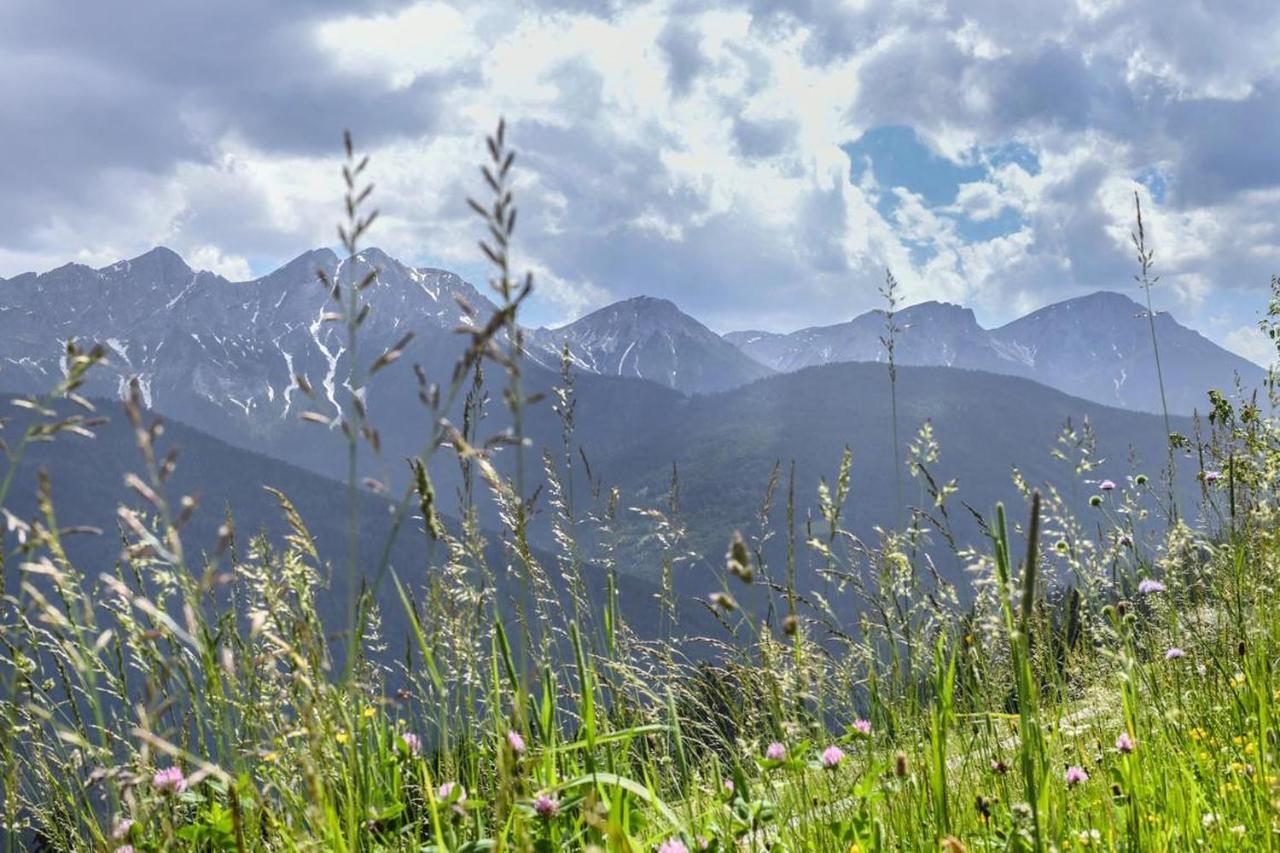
(897, 157)
(1155, 182)
(1006, 222)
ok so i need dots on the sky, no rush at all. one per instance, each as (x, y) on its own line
(759, 162)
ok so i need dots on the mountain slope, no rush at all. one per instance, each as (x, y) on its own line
(931, 334)
(650, 339)
(87, 477)
(1097, 347)
(725, 446)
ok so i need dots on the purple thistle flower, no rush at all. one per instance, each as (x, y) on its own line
(673, 845)
(120, 831)
(125, 848)
(170, 780)
(776, 752)
(862, 727)
(1147, 586)
(1174, 653)
(412, 743)
(1106, 485)
(1124, 743)
(1075, 775)
(516, 742)
(546, 807)
(1212, 476)
(832, 756)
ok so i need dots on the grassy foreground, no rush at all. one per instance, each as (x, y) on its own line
(1109, 685)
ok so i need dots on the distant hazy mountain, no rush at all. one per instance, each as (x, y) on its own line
(931, 333)
(222, 356)
(650, 339)
(199, 342)
(1097, 347)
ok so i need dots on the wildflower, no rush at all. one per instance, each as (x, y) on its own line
(170, 780)
(1124, 743)
(1075, 775)
(516, 742)
(1212, 476)
(369, 713)
(271, 756)
(673, 845)
(1106, 485)
(832, 756)
(862, 727)
(1208, 820)
(728, 788)
(998, 766)
(125, 848)
(452, 792)
(546, 807)
(1147, 586)
(1125, 540)
(120, 831)
(1174, 653)
(776, 752)
(1088, 837)
(342, 737)
(412, 743)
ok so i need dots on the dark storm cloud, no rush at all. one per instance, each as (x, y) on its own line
(1227, 146)
(149, 84)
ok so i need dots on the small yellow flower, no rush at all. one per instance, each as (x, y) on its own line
(1197, 733)
(369, 713)
(342, 737)
(272, 756)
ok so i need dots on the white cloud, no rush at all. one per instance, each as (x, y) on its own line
(1249, 342)
(694, 150)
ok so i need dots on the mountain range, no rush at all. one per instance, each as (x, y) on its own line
(1097, 347)
(247, 340)
(657, 395)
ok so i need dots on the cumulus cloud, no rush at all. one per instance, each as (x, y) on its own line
(700, 152)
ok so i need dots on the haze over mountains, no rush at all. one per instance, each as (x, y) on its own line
(653, 387)
(1097, 347)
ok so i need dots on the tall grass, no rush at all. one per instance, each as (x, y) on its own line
(1107, 689)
